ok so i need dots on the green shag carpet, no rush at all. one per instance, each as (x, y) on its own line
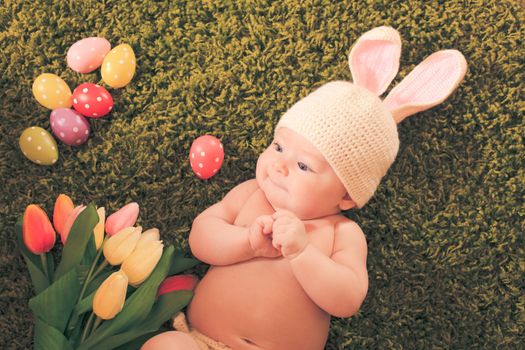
(445, 228)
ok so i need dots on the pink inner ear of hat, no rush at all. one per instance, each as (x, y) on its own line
(374, 64)
(427, 82)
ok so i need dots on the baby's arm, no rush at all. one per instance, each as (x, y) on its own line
(213, 237)
(337, 284)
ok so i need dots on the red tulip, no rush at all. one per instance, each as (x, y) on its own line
(63, 207)
(37, 231)
(180, 282)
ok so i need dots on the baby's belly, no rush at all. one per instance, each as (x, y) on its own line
(258, 304)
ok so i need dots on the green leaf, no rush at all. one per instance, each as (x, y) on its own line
(77, 240)
(180, 264)
(137, 307)
(139, 341)
(50, 265)
(33, 262)
(167, 305)
(91, 251)
(55, 303)
(86, 304)
(48, 337)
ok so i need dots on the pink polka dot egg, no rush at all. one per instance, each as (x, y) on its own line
(206, 156)
(69, 126)
(92, 100)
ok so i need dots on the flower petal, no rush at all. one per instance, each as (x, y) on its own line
(37, 231)
(69, 222)
(124, 217)
(63, 207)
(178, 282)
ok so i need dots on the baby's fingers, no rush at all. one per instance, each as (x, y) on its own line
(266, 222)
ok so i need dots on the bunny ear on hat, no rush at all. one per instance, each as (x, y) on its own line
(374, 59)
(429, 84)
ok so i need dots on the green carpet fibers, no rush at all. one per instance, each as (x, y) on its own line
(445, 228)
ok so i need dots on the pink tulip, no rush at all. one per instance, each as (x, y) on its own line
(179, 282)
(37, 231)
(69, 222)
(124, 217)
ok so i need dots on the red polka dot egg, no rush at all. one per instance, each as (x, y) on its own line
(206, 156)
(92, 100)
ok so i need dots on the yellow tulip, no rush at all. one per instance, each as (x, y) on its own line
(110, 296)
(98, 231)
(139, 265)
(149, 235)
(119, 246)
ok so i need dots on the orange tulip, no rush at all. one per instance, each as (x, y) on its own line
(69, 222)
(63, 207)
(110, 296)
(179, 282)
(37, 231)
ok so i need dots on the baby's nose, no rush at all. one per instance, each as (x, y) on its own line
(280, 167)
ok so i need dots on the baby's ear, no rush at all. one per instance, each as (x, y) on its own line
(429, 84)
(346, 203)
(374, 59)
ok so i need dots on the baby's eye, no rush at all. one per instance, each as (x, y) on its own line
(277, 147)
(303, 166)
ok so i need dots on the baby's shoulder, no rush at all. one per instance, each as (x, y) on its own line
(347, 232)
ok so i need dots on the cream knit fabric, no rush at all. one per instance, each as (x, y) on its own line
(352, 129)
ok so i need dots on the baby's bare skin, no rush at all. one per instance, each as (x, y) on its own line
(259, 302)
(283, 258)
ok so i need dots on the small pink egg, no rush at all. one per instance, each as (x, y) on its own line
(69, 126)
(206, 156)
(86, 55)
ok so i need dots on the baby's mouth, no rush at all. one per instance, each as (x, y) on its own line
(276, 184)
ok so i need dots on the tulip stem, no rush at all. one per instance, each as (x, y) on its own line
(90, 274)
(95, 326)
(44, 265)
(86, 327)
(100, 268)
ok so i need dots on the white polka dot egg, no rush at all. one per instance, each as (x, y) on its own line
(51, 91)
(38, 146)
(119, 66)
(69, 126)
(206, 156)
(92, 100)
(87, 54)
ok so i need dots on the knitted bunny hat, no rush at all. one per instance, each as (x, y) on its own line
(348, 123)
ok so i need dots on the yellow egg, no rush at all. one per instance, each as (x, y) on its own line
(51, 91)
(119, 66)
(38, 146)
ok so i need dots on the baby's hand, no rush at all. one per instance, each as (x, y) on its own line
(260, 237)
(289, 234)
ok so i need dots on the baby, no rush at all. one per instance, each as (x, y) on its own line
(283, 258)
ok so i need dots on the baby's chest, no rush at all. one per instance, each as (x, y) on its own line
(320, 232)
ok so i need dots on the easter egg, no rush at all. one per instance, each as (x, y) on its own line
(119, 66)
(69, 126)
(206, 156)
(87, 54)
(51, 91)
(92, 100)
(38, 146)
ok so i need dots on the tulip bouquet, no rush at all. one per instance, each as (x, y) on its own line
(110, 289)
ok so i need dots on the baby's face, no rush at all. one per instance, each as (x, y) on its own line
(294, 176)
